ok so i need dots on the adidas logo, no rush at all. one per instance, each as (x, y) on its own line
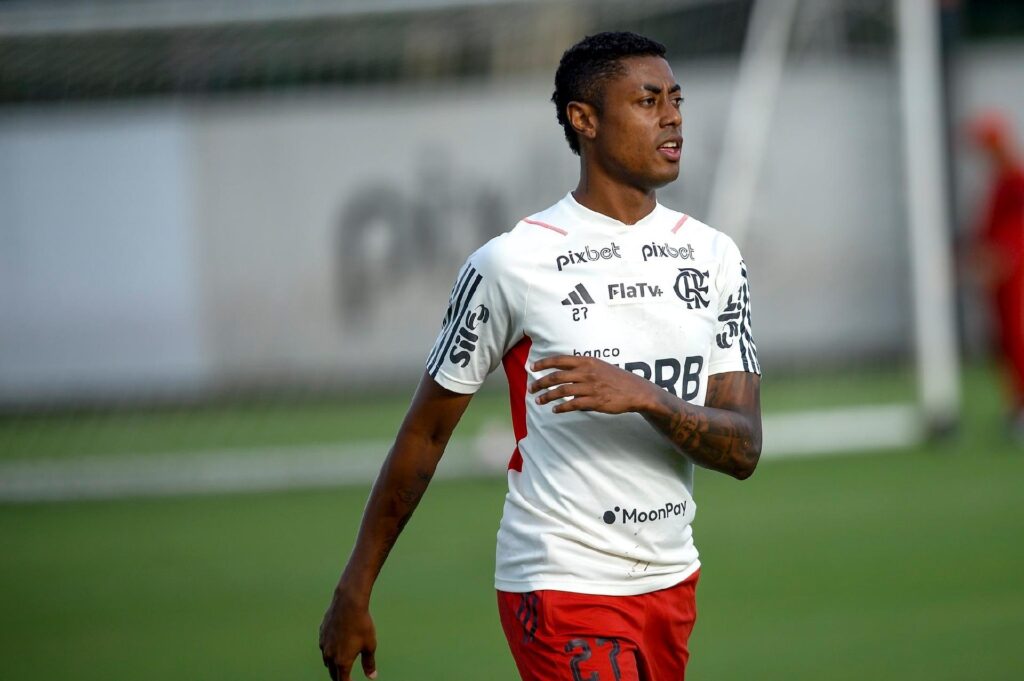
(579, 296)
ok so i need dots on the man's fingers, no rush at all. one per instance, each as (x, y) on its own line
(369, 664)
(576, 404)
(552, 379)
(338, 672)
(556, 362)
(566, 390)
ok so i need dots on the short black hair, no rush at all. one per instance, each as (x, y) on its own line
(585, 67)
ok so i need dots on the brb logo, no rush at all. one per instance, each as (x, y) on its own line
(588, 254)
(692, 288)
(680, 379)
(633, 515)
(467, 337)
(654, 250)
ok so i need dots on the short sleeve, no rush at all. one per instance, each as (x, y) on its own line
(481, 324)
(733, 348)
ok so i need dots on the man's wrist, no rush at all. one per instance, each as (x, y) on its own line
(350, 594)
(651, 400)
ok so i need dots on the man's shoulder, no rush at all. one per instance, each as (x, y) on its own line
(549, 226)
(526, 241)
(713, 242)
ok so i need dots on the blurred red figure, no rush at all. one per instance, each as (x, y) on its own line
(998, 249)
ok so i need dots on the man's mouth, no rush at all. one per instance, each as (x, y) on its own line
(670, 149)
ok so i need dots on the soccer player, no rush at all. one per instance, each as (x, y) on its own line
(997, 250)
(624, 329)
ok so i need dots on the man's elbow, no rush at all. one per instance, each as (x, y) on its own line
(746, 462)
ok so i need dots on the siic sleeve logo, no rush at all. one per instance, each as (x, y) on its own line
(691, 287)
(479, 315)
(467, 338)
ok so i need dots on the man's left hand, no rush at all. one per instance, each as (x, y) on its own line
(593, 384)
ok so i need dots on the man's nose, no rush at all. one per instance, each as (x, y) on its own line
(673, 117)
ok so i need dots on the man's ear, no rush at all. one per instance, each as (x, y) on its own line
(583, 119)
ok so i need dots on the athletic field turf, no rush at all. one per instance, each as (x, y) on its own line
(260, 423)
(898, 565)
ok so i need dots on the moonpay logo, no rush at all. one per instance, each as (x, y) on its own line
(635, 515)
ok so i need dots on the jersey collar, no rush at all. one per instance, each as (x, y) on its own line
(595, 219)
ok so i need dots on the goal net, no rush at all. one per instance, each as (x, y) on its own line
(265, 204)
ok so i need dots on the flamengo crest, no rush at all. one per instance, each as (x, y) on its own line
(692, 288)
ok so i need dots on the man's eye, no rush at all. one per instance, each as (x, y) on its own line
(677, 102)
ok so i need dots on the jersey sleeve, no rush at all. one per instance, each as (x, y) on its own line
(733, 348)
(481, 324)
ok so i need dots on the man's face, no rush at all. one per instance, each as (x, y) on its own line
(638, 139)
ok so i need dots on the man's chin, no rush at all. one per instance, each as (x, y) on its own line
(665, 179)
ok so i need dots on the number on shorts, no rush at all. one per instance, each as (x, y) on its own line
(583, 653)
(613, 656)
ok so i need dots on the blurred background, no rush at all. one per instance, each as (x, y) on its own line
(227, 236)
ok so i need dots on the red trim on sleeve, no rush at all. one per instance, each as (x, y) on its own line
(546, 226)
(680, 223)
(515, 370)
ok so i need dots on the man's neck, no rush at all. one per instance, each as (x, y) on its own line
(626, 204)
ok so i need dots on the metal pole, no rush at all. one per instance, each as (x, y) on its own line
(931, 257)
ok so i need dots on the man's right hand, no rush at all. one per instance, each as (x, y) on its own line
(347, 631)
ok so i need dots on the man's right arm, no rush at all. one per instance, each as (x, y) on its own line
(347, 629)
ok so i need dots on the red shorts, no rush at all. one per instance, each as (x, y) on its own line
(563, 636)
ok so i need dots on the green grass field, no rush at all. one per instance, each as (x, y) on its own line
(278, 423)
(894, 565)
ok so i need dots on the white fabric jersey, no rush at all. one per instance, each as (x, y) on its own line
(597, 503)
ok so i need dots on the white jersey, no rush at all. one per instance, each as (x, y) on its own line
(597, 503)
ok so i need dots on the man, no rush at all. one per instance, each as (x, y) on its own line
(997, 252)
(624, 329)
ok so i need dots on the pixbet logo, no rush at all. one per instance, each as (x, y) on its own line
(633, 515)
(588, 254)
(467, 338)
(654, 250)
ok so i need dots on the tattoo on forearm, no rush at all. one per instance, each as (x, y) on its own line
(714, 437)
(718, 438)
(405, 502)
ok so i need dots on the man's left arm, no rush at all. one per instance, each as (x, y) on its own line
(723, 435)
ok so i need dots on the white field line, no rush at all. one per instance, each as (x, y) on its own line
(127, 475)
(842, 431)
(143, 475)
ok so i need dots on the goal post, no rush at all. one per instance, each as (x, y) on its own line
(761, 70)
(929, 230)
